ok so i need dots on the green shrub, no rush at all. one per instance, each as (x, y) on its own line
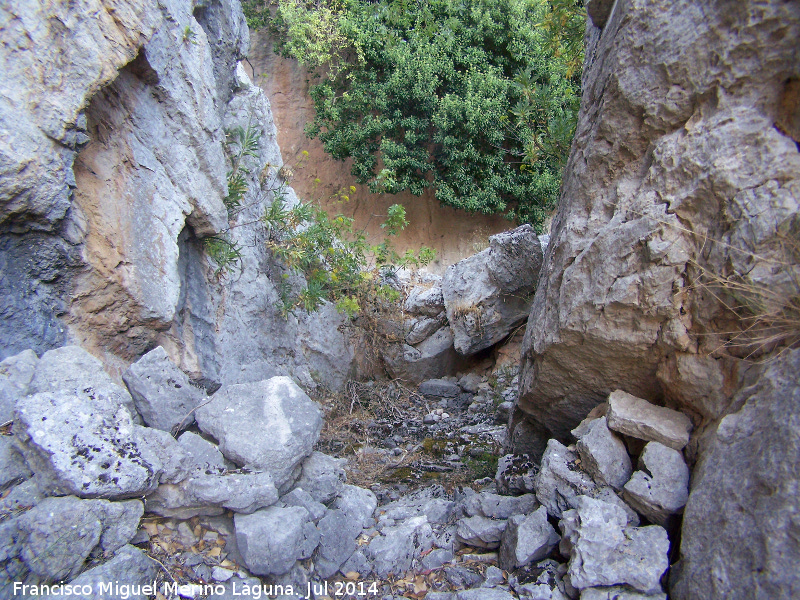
(466, 96)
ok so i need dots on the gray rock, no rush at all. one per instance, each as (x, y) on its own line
(618, 593)
(163, 395)
(603, 455)
(421, 328)
(583, 428)
(357, 563)
(21, 497)
(488, 294)
(481, 531)
(16, 373)
(323, 476)
(604, 552)
(744, 497)
(58, 534)
(337, 542)
(494, 577)
(638, 418)
(469, 382)
(271, 540)
(357, 503)
(437, 558)
(661, 487)
(13, 469)
(299, 497)
(396, 547)
(515, 474)
(91, 448)
(612, 310)
(439, 388)
(494, 506)
(211, 494)
(425, 301)
(461, 577)
(559, 480)
(484, 594)
(72, 369)
(526, 539)
(430, 502)
(238, 415)
(203, 455)
(128, 567)
(432, 358)
(503, 412)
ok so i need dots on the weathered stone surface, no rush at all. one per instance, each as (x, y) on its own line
(91, 448)
(488, 294)
(435, 357)
(638, 418)
(238, 416)
(526, 539)
(322, 476)
(202, 454)
(604, 552)
(16, 373)
(439, 388)
(599, 11)
(337, 542)
(660, 487)
(740, 525)
(559, 481)
(272, 539)
(57, 535)
(210, 493)
(678, 130)
(481, 531)
(13, 469)
(129, 567)
(299, 497)
(617, 593)
(113, 257)
(430, 502)
(357, 503)
(161, 391)
(422, 300)
(421, 328)
(484, 594)
(72, 369)
(515, 474)
(495, 506)
(396, 547)
(603, 455)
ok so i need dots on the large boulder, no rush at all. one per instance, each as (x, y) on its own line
(490, 293)
(740, 525)
(91, 448)
(269, 425)
(603, 551)
(16, 373)
(433, 358)
(163, 395)
(682, 170)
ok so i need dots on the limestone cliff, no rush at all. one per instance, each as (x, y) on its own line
(113, 170)
(680, 202)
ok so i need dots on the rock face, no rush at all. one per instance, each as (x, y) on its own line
(744, 497)
(113, 173)
(488, 294)
(682, 165)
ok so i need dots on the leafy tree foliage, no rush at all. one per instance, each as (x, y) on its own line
(475, 98)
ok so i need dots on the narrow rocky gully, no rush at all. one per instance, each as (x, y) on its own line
(610, 411)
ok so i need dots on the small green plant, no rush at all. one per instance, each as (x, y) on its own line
(241, 143)
(189, 36)
(225, 253)
(338, 263)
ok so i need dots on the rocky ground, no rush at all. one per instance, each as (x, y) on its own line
(251, 492)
